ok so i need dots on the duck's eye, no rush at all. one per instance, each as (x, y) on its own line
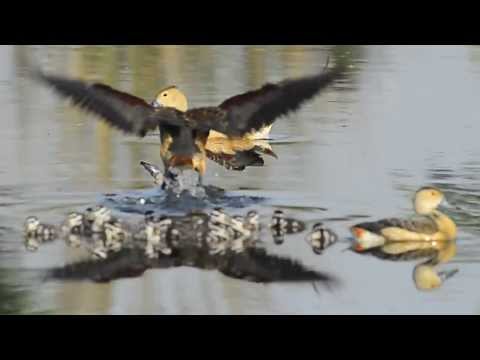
(164, 94)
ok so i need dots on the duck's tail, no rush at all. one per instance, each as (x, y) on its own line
(365, 239)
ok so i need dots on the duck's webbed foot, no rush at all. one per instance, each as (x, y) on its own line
(177, 180)
(180, 181)
(170, 179)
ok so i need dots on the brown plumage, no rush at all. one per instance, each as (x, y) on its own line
(185, 133)
(425, 225)
(428, 225)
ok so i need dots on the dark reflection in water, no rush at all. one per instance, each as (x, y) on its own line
(253, 265)
(15, 299)
(227, 243)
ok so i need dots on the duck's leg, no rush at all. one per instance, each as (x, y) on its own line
(170, 178)
(200, 165)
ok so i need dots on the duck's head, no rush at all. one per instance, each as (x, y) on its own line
(253, 217)
(74, 219)
(426, 278)
(171, 97)
(427, 199)
(31, 223)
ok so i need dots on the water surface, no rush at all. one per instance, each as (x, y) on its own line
(406, 117)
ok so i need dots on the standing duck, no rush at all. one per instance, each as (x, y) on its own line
(184, 132)
(429, 225)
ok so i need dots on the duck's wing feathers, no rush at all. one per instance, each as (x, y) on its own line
(421, 224)
(239, 161)
(424, 225)
(259, 108)
(121, 110)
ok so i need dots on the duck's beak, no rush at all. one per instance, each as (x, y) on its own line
(155, 104)
(447, 206)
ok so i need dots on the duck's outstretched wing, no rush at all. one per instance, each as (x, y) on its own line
(256, 109)
(121, 110)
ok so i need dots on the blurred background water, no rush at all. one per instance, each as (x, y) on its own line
(406, 117)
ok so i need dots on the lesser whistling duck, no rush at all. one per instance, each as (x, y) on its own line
(425, 274)
(429, 225)
(231, 152)
(183, 132)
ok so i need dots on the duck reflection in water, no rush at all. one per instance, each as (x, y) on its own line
(430, 234)
(208, 241)
(425, 274)
(253, 265)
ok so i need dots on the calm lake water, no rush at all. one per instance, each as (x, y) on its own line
(406, 117)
